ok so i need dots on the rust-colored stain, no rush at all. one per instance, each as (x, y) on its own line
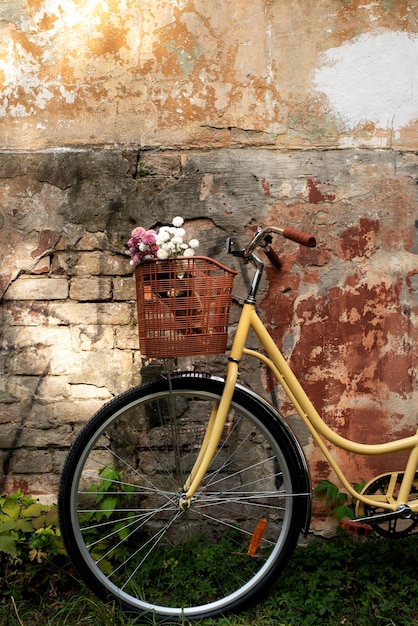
(315, 193)
(360, 240)
(266, 187)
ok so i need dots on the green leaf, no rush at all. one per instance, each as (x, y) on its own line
(8, 545)
(108, 506)
(343, 511)
(38, 522)
(11, 508)
(123, 530)
(24, 525)
(6, 526)
(52, 516)
(34, 510)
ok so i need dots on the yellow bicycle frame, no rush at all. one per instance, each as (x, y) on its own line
(320, 432)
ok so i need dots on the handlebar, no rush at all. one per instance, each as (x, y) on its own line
(263, 238)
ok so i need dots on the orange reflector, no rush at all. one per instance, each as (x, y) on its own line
(257, 536)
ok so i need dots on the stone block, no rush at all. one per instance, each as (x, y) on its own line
(46, 419)
(91, 289)
(93, 241)
(34, 361)
(74, 313)
(89, 392)
(57, 337)
(126, 338)
(34, 288)
(93, 337)
(21, 313)
(43, 266)
(111, 369)
(17, 388)
(29, 461)
(43, 486)
(102, 264)
(53, 389)
(124, 288)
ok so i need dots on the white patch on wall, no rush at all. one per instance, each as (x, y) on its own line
(372, 78)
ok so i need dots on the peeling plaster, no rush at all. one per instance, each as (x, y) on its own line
(372, 78)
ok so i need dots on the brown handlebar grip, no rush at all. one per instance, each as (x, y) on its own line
(273, 257)
(300, 237)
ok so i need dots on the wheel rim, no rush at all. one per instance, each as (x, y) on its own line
(141, 496)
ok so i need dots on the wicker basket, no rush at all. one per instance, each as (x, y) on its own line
(183, 306)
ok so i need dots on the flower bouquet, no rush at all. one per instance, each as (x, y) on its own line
(182, 299)
(168, 242)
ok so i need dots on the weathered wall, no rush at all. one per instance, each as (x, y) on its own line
(293, 74)
(231, 114)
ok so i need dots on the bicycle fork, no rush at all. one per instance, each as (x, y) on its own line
(211, 439)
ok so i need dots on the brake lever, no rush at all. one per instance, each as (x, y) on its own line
(230, 248)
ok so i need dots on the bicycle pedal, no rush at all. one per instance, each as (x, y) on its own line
(356, 528)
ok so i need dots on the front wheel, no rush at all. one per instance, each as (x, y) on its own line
(119, 501)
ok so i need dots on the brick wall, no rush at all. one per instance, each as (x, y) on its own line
(68, 344)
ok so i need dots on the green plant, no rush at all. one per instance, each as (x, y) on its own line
(28, 530)
(108, 495)
(30, 543)
(343, 504)
(332, 582)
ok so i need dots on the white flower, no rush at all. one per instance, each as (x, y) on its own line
(162, 237)
(162, 254)
(169, 242)
(178, 221)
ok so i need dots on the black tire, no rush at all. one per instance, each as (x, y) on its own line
(118, 501)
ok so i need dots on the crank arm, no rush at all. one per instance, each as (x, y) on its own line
(402, 512)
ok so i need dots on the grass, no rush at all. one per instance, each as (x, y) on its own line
(343, 581)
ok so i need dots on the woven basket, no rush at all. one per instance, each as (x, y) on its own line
(183, 306)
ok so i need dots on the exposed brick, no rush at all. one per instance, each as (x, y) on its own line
(24, 288)
(102, 263)
(124, 288)
(29, 461)
(21, 313)
(355, 294)
(93, 337)
(93, 241)
(89, 313)
(127, 338)
(89, 392)
(90, 289)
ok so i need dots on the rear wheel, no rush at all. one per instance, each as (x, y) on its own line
(121, 486)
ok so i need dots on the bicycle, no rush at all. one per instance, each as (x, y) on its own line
(184, 498)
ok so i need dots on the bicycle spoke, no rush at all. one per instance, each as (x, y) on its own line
(133, 539)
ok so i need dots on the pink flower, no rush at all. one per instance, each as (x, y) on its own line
(149, 237)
